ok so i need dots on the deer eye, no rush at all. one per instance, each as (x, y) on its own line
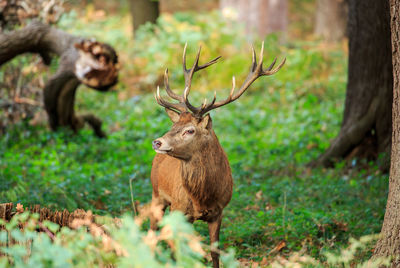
(189, 131)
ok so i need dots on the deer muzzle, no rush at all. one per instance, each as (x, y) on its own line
(160, 146)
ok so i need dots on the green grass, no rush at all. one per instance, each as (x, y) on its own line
(269, 134)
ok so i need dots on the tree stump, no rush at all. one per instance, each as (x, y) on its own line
(81, 61)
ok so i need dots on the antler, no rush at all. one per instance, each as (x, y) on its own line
(256, 71)
(183, 104)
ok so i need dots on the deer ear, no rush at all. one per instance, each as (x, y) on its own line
(174, 116)
(206, 122)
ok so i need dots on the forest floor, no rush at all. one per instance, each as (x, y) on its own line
(279, 205)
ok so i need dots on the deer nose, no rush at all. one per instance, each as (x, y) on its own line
(156, 144)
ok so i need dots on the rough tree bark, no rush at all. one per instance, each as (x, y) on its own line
(389, 243)
(143, 11)
(81, 61)
(366, 126)
(331, 19)
(260, 16)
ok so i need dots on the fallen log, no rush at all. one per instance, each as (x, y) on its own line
(62, 218)
(82, 61)
(73, 220)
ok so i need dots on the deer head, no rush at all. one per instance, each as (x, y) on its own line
(192, 129)
(188, 134)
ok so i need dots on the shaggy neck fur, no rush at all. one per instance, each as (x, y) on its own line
(203, 172)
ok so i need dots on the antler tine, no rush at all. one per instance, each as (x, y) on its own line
(256, 71)
(168, 89)
(254, 59)
(174, 106)
(261, 55)
(214, 104)
(271, 72)
(204, 104)
(271, 65)
(195, 110)
(188, 74)
(252, 76)
(205, 107)
(184, 103)
(214, 99)
(211, 62)
(233, 86)
(184, 58)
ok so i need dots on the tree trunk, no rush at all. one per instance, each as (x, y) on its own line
(389, 243)
(366, 127)
(81, 61)
(259, 16)
(331, 19)
(143, 11)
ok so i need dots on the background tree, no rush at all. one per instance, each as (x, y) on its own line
(389, 243)
(143, 11)
(331, 19)
(81, 61)
(172, 6)
(366, 126)
(260, 16)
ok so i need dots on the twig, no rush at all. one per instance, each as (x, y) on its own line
(130, 186)
(47, 231)
(22, 100)
(284, 213)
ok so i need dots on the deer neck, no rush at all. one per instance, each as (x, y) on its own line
(201, 174)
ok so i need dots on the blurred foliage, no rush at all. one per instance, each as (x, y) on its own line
(279, 205)
(302, 18)
(87, 245)
(126, 244)
(346, 257)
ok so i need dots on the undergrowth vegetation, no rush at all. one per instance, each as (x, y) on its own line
(121, 245)
(279, 204)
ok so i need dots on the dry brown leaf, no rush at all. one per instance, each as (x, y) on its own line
(268, 206)
(20, 208)
(195, 245)
(151, 239)
(166, 232)
(264, 261)
(157, 211)
(259, 195)
(278, 247)
(252, 207)
(311, 146)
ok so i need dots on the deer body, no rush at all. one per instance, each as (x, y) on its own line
(190, 171)
(200, 186)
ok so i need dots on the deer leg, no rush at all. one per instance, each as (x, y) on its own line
(213, 230)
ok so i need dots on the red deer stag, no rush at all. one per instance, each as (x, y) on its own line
(190, 171)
